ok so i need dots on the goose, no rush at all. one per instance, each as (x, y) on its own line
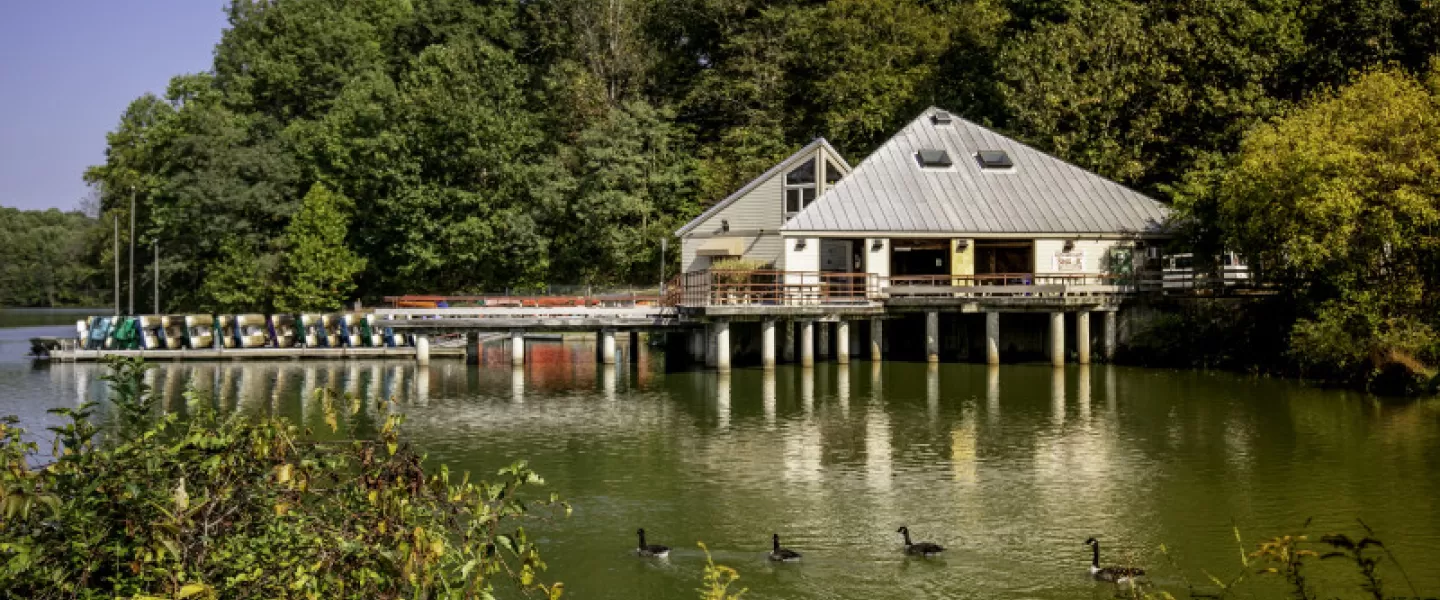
(1111, 574)
(650, 550)
(920, 549)
(782, 554)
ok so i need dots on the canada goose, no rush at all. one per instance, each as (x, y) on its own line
(920, 549)
(1111, 574)
(782, 554)
(650, 550)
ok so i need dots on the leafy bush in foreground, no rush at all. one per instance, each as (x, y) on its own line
(216, 507)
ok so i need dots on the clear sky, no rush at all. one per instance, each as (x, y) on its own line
(68, 68)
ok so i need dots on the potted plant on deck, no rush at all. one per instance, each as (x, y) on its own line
(732, 279)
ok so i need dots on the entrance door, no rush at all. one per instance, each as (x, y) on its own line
(835, 256)
(840, 269)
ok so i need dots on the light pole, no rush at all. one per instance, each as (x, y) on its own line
(116, 220)
(156, 247)
(132, 251)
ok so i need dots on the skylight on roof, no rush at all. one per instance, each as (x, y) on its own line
(994, 159)
(933, 158)
(941, 117)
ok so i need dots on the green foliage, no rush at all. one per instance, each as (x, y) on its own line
(718, 579)
(318, 270)
(46, 260)
(214, 507)
(1338, 202)
(491, 145)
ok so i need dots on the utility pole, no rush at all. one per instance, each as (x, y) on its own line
(116, 219)
(132, 250)
(156, 247)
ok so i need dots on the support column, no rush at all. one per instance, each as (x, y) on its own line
(767, 343)
(517, 347)
(722, 345)
(932, 336)
(607, 346)
(1057, 339)
(807, 343)
(877, 339)
(1082, 337)
(472, 348)
(787, 341)
(710, 345)
(992, 338)
(842, 342)
(697, 345)
(822, 339)
(1108, 349)
(422, 350)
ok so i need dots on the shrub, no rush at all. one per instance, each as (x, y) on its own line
(214, 507)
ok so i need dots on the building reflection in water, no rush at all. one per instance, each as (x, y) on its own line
(992, 394)
(842, 391)
(767, 396)
(1057, 396)
(932, 391)
(1082, 394)
(607, 381)
(807, 390)
(517, 383)
(722, 398)
(878, 467)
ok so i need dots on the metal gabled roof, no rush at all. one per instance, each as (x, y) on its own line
(890, 192)
(779, 168)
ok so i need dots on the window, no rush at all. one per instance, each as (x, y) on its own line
(832, 173)
(941, 117)
(933, 158)
(994, 159)
(800, 187)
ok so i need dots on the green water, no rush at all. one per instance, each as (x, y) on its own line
(1011, 468)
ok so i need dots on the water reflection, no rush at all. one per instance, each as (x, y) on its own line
(729, 458)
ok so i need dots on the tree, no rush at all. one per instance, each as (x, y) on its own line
(1340, 202)
(318, 270)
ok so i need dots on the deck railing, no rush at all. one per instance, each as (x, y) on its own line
(777, 288)
(809, 288)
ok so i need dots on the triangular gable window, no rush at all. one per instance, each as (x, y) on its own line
(800, 187)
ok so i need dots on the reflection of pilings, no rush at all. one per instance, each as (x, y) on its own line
(151, 380)
(517, 384)
(1057, 395)
(307, 391)
(992, 393)
(422, 386)
(1082, 393)
(842, 390)
(277, 392)
(807, 390)
(767, 397)
(1110, 389)
(373, 385)
(932, 390)
(607, 382)
(878, 470)
(722, 398)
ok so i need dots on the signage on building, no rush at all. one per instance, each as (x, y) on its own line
(1068, 262)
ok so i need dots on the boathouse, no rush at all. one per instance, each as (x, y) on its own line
(946, 219)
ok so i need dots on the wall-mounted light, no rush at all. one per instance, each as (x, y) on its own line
(725, 226)
(877, 245)
(800, 244)
(961, 245)
(1069, 245)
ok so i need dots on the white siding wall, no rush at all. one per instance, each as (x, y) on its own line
(877, 262)
(806, 259)
(1096, 253)
(761, 210)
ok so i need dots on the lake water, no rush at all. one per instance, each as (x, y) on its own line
(1011, 467)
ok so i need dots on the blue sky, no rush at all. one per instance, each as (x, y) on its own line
(68, 68)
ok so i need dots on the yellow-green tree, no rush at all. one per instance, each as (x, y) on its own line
(1339, 201)
(318, 270)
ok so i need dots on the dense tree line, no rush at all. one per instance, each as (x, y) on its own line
(46, 259)
(479, 144)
